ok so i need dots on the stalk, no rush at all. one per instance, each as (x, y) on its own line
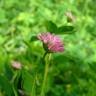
(47, 57)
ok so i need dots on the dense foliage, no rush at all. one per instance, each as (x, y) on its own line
(71, 73)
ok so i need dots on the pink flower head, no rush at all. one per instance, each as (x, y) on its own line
(51, 42)
(16, 65)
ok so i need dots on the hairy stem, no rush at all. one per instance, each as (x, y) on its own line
(47, 62)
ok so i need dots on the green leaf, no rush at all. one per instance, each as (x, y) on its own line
(8, 72)
(6, 85)
(2, 16)
(27, 81)
(51, 27)
(65, 29)
(33, 38)
(92, 66)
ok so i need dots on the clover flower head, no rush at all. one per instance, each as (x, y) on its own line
(51, 42)
(16, 65)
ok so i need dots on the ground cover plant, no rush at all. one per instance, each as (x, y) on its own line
(47, 48)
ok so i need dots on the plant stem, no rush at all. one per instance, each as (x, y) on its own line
(15, 93)
(34, 86)
(13, 86)
(45, 73)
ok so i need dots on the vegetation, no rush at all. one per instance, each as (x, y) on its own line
(70, 73)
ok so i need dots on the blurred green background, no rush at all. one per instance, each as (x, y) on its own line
(71, 73)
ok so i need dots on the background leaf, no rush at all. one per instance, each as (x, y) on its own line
(6, 85)
(27, 81)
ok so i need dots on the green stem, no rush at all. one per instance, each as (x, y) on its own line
(45, 74)
(15, 93)
(14, 77)
(13, 80)
(34, 86)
